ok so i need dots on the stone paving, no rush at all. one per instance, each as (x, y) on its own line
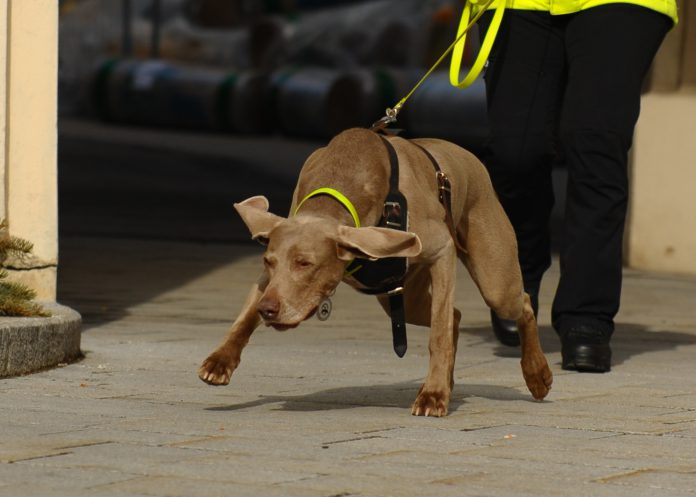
(323, 410)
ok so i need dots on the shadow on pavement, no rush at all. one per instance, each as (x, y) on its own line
(399, 395)
(105, 279)
(629, 340)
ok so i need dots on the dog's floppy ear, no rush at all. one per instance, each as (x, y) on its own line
(376, 243)
(254, 213)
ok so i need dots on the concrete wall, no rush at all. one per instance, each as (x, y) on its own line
(28, 117)
(661, 232)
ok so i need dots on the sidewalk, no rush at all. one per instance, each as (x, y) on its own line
(323, 410)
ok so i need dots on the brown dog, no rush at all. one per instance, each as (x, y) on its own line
(307, 253)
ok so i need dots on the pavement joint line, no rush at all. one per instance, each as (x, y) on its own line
(488, 427)
(87, 444)
(34, 458)
(356, 439)
(380, 430)
(625, 474)
(196, 440)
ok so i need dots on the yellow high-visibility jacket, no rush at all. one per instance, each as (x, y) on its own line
(557, 7)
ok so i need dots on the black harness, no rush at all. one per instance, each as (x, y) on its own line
(386, 276)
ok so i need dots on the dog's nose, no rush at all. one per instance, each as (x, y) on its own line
(269, 309)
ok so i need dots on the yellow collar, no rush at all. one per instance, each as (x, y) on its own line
(338, 196)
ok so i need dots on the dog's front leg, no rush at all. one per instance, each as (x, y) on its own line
(219, 366)
(434, 396)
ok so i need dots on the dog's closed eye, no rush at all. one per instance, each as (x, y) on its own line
(303, 263)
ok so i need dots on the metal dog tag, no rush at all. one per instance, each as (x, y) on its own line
(324, 310)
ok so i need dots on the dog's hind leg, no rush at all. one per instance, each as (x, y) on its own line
(219, 366)
(535, 369)
(491, 258)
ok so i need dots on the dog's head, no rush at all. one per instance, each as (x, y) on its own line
(306, 256)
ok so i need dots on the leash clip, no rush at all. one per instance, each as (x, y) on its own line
(389, 118)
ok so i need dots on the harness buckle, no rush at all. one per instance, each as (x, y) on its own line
(392, 214)
(443, 185)
(443, 182)
(396, 291)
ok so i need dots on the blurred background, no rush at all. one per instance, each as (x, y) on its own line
(171, 110)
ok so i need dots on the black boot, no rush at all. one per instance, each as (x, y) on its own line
(585, 348)
(506, 329)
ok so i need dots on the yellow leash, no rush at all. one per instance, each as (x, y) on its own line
(458, 46)
(486, 46)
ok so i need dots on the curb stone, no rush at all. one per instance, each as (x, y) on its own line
(31, 344)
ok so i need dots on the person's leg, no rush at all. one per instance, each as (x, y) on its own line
(609, 50)
(524, 85)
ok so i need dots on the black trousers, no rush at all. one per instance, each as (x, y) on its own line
(567, 88)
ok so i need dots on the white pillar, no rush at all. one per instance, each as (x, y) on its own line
(30, 138)
(3, 107)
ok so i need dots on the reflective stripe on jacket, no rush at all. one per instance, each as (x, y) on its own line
(558, 7)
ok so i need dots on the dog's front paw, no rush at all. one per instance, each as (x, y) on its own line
(216, 369)
(430, 403)
(538, 377)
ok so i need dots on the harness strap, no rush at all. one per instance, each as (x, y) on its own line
(398, 317)
(444, 196)
(395, 217)
(393, 166)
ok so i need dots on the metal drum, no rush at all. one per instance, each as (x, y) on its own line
(245, 106)
(317, 102)
(163, 94)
